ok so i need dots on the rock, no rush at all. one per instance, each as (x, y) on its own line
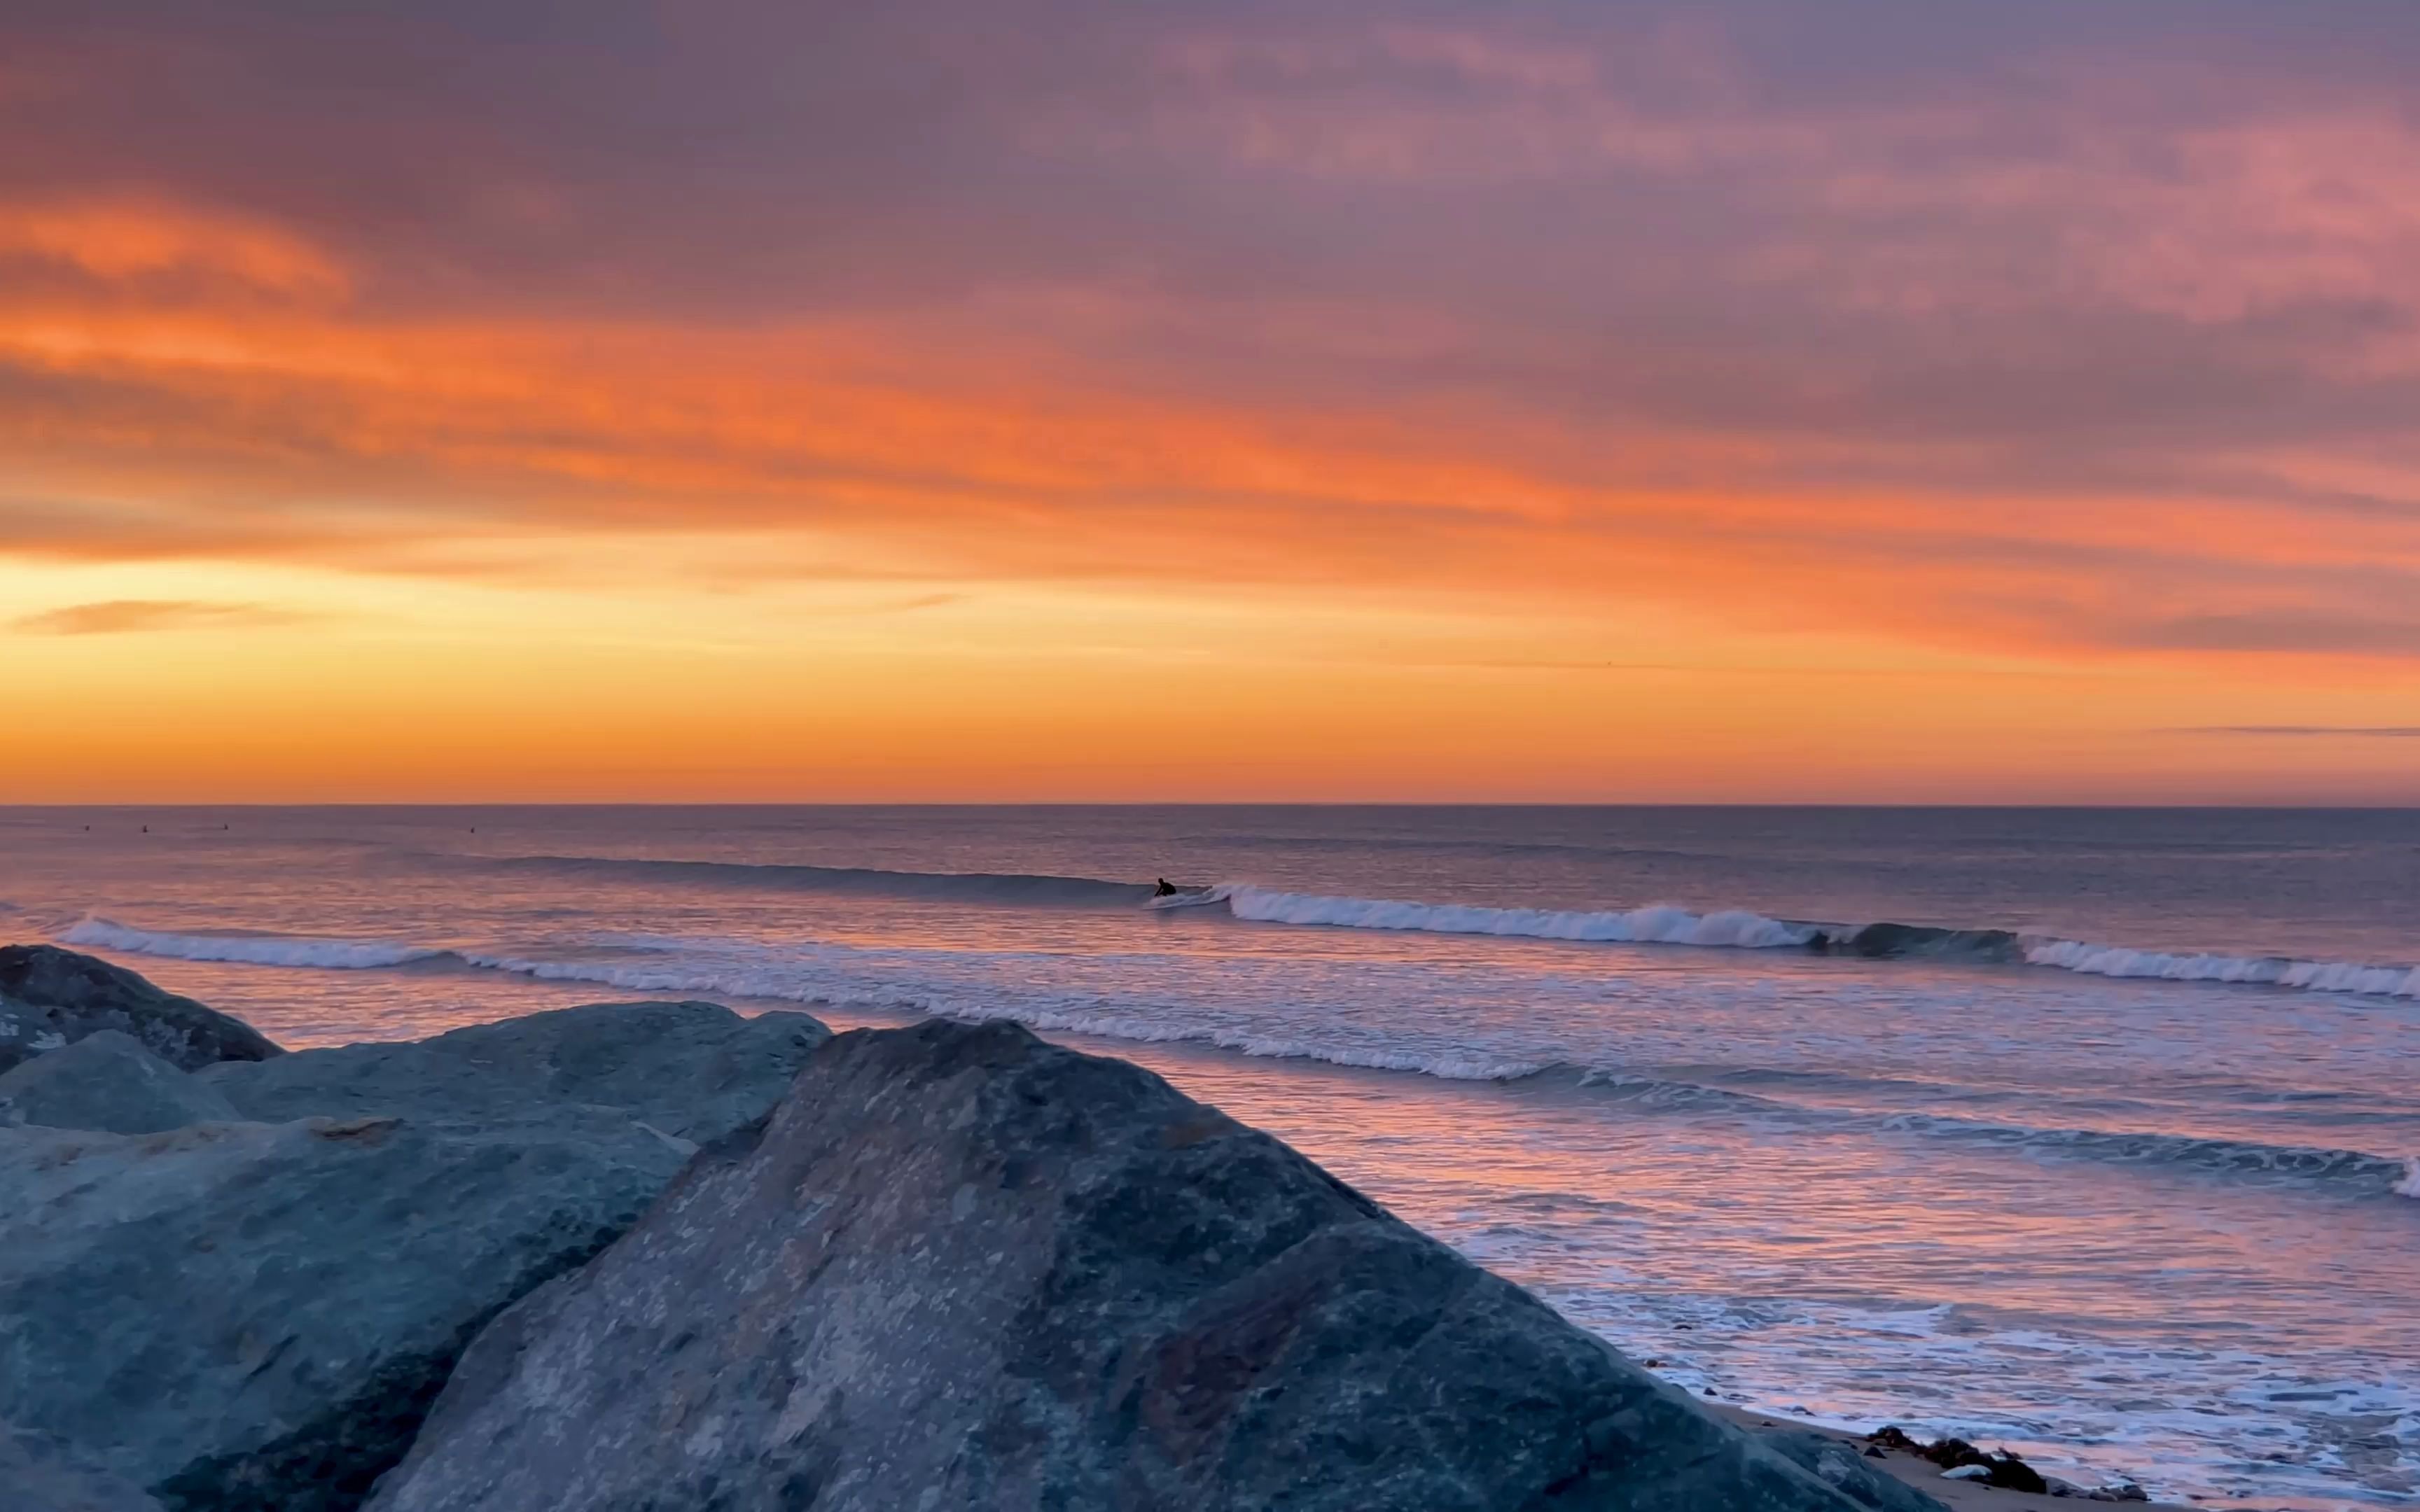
(1956, 1456)
(1841, 1466)
(49, 999)
(107, 1081)
(253, 1317)
(255, 1314)
(40, 1474)
(960, 1268)
(694, 1072)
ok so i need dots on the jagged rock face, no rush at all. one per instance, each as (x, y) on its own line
(40, 1474)
(49, 999)
(693, 1070)
(256, 1315)
(253, 1317)
(107, 1081)
(960, 1268)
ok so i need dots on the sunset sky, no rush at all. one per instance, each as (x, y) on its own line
(1055, 399)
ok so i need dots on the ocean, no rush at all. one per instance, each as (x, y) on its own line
(2112, 1157)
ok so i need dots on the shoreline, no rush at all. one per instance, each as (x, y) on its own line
(1958, 1495)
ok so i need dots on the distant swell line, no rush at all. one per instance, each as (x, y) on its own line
(248, 949)
(2350, 1168)
(942, 887)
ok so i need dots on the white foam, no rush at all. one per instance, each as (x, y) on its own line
(248, 949)
(2268, 971)
(1660, 924)
(2410, 1185)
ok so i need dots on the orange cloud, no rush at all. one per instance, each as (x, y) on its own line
(348, 439)
(123, 241)
(123, 616)
(1510, 364)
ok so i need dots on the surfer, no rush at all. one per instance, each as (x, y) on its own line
(1165, 890)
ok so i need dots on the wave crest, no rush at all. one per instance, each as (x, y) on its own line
(313, 951)
(2264, 971)
(1659, 924)
(1742, 929)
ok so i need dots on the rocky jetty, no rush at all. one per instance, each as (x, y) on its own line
(254, 1312)
(656, 1256)
(50, 998)
(962, 1268)
(40, 1474)
(107, 1081)
(692, 1071)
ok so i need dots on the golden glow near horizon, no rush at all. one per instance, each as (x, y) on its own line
(1331, 429)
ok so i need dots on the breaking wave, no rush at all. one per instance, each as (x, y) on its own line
(248, 949)
(1741, 929)
(1659, 925)
(2267, 970)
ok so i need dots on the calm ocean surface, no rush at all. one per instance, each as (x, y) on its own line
(2120, 1173)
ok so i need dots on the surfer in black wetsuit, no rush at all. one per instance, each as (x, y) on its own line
(1165, 890)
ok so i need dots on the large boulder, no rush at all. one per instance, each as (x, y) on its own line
(50, 998)
(107, 1081)
(693, 1070)
(41, 1474)
(253, 1317)
(961, 1268)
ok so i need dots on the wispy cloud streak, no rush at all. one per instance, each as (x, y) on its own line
(2411, 731)
(131, 616)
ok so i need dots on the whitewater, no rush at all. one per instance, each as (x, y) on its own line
(2091, 1132)
(1655, 924)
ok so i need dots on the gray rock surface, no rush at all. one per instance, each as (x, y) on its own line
(960, 1268)
(1844, 1467)
(693, 1070)
(253, 1317)
(50, 998)
(107, 1081)
(40, 1474)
